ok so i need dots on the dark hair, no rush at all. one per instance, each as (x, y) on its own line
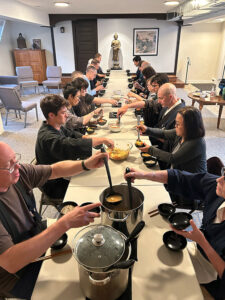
(160, 78)
(70, 89)
(193, 123)
(91, 68)
(148, 72)
(80, 83)
(52, 104)
(137, 58)
(94, 62)
(97, 55)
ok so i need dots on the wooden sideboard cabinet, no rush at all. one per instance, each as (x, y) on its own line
(34, 58)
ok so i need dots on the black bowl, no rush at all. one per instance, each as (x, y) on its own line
(130, 85)
(128, 74)
(64, 204)
(166, 209)
(96, 209)
(104, 84)
(180, 220)
(151, 163)
(106, 79)
(93, 126)
(102, 122)
(128, 71)
(90, 130)
(107, 74)
(139, 146)
(138, 111)
(174, 241)
(145, 156)
(60, 243)
(108, 70)
(98, 147)
(130, 79)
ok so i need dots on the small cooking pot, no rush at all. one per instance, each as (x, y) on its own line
(103, 256)
(122, 216)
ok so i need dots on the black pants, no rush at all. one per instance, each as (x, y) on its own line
(25, 285)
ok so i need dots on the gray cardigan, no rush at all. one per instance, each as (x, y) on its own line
(191, 155)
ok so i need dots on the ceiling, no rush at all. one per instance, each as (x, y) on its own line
(100, 6)
(190, 11)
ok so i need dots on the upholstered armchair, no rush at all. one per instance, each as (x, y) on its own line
(54, 76)
(25, 76)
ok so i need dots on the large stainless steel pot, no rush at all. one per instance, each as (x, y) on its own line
(122, 216)
(103, 256)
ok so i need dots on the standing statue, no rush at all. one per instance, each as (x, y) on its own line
(21, 42)
(116, 48)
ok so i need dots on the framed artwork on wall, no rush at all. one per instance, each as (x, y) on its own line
(145, 41)
(36, 44)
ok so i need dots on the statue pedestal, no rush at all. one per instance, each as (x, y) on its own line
(116, 66)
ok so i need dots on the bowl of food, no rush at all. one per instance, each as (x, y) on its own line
(145, 156)
(90, 130)
(66, 207)
(180, 220)
(151, 162)
(114, 127)
(120, 151)
(116, 97)
(102, 122)
(139, 144)
(60, 243)
(173, 241)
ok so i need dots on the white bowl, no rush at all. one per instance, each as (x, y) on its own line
(114, 127)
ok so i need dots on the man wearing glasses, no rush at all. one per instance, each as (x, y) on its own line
(208, 251)
(21, 237)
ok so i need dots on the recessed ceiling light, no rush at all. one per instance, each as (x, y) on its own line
(61, 4)
(171, 3)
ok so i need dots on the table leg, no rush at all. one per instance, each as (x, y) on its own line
(219, 116)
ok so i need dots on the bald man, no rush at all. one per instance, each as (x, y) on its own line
(23, 236)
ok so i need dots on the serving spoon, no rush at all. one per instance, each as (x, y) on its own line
(129, 188)
(111, 191)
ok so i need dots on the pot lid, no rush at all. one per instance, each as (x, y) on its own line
(98, 246)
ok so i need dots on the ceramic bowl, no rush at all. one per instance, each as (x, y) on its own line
(173, 241)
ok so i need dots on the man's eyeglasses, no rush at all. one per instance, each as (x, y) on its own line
(12, 167)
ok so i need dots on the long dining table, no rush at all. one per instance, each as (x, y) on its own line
(159, 272)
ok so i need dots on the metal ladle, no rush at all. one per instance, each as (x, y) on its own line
(129, 188)
(111, 192)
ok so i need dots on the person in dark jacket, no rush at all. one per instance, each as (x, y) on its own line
(136, 61)
(210, 240)
(186, 140)
(55, 143)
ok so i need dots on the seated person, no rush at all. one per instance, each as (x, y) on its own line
(91, 73)
(87, 102)
(100, 74)
(23, 236)
(72, 94)
(55, 143)
(140, 84)
(208, 253)
(147, 73)
(187, 141)
(97, 80)
(136, 61)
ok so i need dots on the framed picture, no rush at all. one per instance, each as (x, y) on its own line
(146, 41)
(36, 44)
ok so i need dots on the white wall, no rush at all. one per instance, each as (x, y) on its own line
(221, 60)
(14, 10)
(6, 65)
(164, 62)
(64, 47)
(202, 43)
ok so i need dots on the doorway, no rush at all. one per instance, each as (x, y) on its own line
(85, 39)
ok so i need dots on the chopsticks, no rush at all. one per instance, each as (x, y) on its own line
(68, 251)
(155, 212)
